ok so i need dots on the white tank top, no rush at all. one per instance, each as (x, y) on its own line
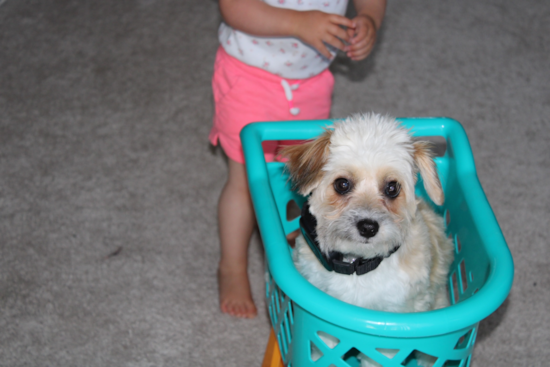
(287, 57)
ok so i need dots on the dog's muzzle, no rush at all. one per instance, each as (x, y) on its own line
(335, 260)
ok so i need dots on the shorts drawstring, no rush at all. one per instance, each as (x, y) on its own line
(288, 93)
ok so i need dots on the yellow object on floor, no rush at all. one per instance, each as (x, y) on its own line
(272, 357)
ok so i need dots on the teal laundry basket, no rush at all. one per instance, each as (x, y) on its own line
(480, 277)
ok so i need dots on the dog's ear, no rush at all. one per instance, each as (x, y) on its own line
(305, 162)
(426, 165)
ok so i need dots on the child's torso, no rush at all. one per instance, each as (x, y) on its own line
(287, 57)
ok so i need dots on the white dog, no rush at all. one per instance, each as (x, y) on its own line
(367, 239)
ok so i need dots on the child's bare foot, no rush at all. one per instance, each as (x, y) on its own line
(235, 296)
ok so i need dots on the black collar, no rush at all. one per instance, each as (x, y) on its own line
(334, 261)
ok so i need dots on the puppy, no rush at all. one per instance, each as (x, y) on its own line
(366, 238)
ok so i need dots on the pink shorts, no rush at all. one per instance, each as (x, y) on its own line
(245, 94)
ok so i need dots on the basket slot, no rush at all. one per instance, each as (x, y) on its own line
(463, 278)
(315, 352)
(272, 310)
(453, 286)
(352, 357)
(438, 144)
(329, 340)
(286, 325)
(292, 210)
(459, 284)
(466, 340)
(333, 352)
(457, 363)
(281, 314)
(290, 311)
(390, 353)
(355, 358)
(417, 358)
(284, 337)
(383, 357)
(282, 344)
(460, 279)
(277, 301)
(288, 201)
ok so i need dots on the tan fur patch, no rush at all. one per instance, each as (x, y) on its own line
(395, 206)
(398, 205)
(426, 165)
(337, 202)
(305, 162)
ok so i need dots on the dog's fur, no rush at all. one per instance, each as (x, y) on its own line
(370, 151)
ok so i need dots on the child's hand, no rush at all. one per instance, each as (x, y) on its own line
(317, 28)
(362, 37)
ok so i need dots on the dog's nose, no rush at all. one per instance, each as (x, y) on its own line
(367, 228)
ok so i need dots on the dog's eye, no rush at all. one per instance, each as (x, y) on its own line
(392, 189)
(342, 186)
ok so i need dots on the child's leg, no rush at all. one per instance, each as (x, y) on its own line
(236, 223)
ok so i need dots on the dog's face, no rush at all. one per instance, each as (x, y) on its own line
(361, 178)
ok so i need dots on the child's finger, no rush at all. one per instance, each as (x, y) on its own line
(364, 43)
(365, 29)
(361, 49)
(337, 31)
(351, 32)
(343, 21)
(336, 42)
(360, 54)
(323, 50)
(361, 34)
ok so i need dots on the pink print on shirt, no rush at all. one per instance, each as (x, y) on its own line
(285, 56)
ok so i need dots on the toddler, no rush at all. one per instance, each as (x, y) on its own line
(272, 65)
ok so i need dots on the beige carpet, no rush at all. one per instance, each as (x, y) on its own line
(108, 186)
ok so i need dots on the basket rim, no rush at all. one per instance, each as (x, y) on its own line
(298, 289)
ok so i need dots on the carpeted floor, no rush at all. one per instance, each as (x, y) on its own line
(108, 185)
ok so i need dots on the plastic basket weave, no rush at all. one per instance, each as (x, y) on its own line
(480, 277)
